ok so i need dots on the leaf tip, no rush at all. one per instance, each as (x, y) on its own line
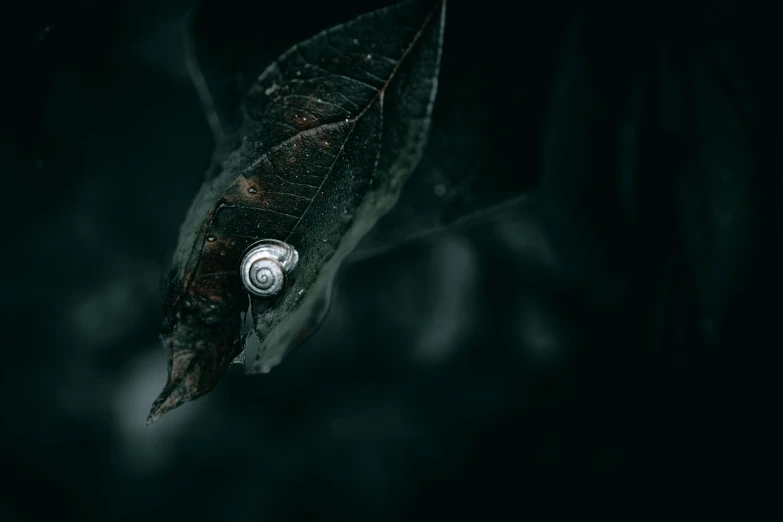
(177, 392)
(166, 401)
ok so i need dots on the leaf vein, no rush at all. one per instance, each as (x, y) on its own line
(281, 178)
(225, 205)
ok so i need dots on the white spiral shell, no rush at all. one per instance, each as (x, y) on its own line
(266, 265)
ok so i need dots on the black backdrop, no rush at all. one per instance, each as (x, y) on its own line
(601, 365)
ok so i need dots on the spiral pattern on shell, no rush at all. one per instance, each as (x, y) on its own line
(266, 277)
(266, 265)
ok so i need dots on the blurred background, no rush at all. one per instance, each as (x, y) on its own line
(610, 351)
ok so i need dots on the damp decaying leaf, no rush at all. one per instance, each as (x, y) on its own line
(319, 150)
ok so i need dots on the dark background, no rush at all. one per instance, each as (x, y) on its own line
(614, 355)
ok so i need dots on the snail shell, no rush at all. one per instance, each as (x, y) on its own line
(266, 265)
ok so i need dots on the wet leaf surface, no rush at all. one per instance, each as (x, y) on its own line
(332, 130)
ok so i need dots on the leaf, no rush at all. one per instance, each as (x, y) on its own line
(331, 132)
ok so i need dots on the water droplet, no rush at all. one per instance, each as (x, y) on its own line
(252, 190)
(211, 238)
(440, 189)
